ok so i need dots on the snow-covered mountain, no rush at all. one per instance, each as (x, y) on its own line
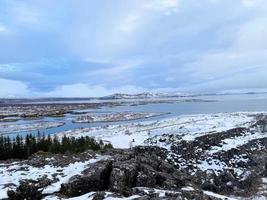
(144, 95)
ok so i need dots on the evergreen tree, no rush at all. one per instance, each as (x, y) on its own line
(19, 148)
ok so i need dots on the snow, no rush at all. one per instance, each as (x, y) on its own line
(212, 194)
(127, 141)
(87, 196)
(144, 95)
(13, 128)
(90, 196)
(214, 165)
(259, 198)
(122, 198)
(263, 189)
(71, 170)
(115, 117)
(13, 173)
(161, 193)
(188, 188)
(187, 126)
(110, 196)
(231, 143)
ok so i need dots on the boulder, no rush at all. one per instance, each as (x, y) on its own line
(27, 190)
(123, 177)
(94, 178)
(140, 167)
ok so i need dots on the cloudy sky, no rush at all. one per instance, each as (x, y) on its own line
(98, 47)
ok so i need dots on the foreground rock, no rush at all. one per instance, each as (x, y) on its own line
(94, 178)
(141, 172)
(26, 190)
(141, 167)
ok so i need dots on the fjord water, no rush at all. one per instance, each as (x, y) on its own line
(218, 103)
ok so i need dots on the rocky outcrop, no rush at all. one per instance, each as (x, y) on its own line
(94, 178)
(28, 190)
(144, 171)
(141, 167)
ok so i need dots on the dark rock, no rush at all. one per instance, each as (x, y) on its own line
(265, 170)
(99, 196)
(123, 177)
(140, 167)
(146, 179)
(94, 178)
(146, 168)
(27, 190)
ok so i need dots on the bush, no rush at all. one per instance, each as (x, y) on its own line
(41, 153)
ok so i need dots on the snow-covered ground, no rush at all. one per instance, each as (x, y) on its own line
(115, 117)
(14, 128)
(11, 174)
(188, 127)
(234, 142)
(184, 128)
(218, 196)
(164, 133)
(160, 193)
(90, 196)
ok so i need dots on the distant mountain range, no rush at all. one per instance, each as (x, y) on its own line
(144, 95)
(147, 95)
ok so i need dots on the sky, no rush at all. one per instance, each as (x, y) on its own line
(82, 48)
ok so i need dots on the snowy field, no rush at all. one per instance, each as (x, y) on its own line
(115, 117)
(187, 127)
(18, 128)
(161, 194)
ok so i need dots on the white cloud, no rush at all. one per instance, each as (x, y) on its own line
(239, 64)
(130, 23)
(254, 81)
(251, 3)
(162, 5)
(145, 11)
(2, 28)
(7, 68)
(11, 88)
(85, 90)
(119, 68)
(214, 1)
(252, 36)
(169, 79)
(24, 13)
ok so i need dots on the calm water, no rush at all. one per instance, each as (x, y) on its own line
(226, 103)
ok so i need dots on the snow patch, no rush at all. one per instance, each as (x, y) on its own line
(13, 173)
